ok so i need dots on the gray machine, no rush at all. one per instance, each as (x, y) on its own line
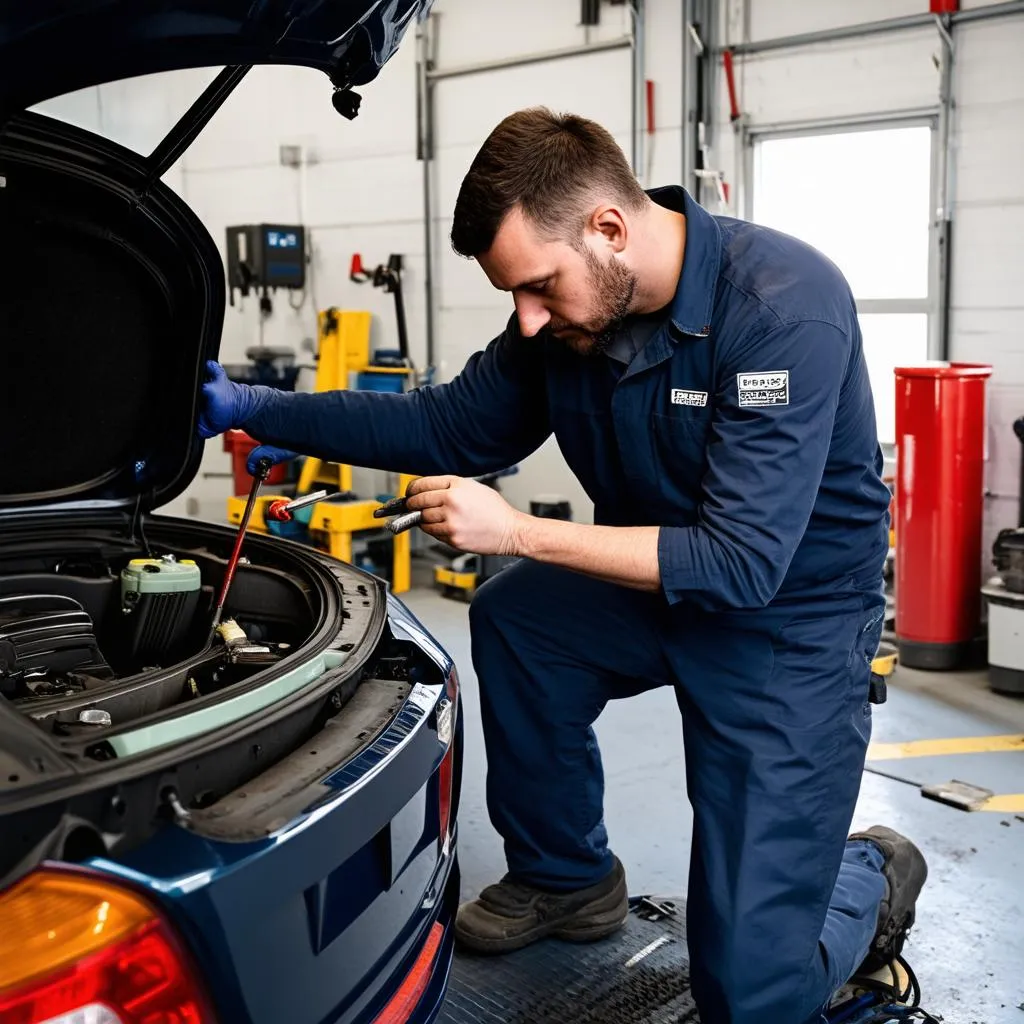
(1004, 594)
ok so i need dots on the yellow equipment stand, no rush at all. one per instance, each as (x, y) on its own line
(451, 580)
(344, 349)
(337, 522)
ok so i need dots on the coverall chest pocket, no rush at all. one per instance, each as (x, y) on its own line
(680, 443)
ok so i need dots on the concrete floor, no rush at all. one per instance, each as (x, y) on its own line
(968, 946)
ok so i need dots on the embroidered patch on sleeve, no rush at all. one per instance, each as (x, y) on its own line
(769, 388)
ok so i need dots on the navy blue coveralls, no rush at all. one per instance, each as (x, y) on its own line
(745, 429)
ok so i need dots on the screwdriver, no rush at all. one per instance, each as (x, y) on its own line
(262, 472)
(406, 520)
(280, 511)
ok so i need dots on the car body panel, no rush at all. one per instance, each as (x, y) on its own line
(52, 47)
(315, 922)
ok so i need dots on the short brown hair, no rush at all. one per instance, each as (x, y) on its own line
(549, 165)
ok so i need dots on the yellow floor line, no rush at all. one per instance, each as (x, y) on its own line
(1005, 803)
(936, 748)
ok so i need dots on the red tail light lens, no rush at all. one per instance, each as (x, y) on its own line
(444, 782)
(446, 712)
(407, 998)
(74, 946)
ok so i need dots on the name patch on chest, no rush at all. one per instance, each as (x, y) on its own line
(680, 396)
(770, 388)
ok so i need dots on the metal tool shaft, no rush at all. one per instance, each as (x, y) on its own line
(281, 511)
(262, 472)
(306, 499)
(402, 523)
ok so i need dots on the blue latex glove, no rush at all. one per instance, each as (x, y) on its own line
(268, 451)
(226, 406)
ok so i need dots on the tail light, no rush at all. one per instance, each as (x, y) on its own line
(75, 947)
(446, 711)
(407, 998)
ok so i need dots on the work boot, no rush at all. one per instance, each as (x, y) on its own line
(510, 914)
(905, 873)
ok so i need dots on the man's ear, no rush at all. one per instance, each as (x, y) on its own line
(608, 222)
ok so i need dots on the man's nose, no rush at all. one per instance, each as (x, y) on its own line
(532, 315)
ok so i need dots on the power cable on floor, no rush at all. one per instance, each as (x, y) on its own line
(895, 778)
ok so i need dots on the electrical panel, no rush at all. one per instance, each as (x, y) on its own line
(265, 257)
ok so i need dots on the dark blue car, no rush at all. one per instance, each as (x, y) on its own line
(257, 827)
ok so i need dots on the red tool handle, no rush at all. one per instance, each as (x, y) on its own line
(262, 472)
(278, 511)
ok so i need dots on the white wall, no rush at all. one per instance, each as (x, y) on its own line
(988, 257)
(361, 189)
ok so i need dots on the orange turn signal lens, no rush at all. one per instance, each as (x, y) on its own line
(77, 946)
(54, 918)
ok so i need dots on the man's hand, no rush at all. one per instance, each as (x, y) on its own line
(473, 517)
(227, 404)
(467, 515)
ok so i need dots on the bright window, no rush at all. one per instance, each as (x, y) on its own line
(862, 197)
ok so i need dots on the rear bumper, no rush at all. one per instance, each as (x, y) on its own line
(429, 1007)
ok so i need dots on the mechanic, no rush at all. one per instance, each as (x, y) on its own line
(706, 382)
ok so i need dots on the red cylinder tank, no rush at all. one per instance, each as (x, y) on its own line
(940, 440)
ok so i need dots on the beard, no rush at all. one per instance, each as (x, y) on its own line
(613, 287)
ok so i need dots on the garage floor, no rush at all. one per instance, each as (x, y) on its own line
(968, 946)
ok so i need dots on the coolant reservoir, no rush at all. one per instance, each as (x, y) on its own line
(158, 598)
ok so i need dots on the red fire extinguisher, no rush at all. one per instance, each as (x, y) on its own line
(940, 438)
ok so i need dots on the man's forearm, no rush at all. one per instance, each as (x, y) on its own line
(627, 555)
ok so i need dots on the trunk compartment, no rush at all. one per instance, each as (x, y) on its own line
(85, 650)
(195, 721)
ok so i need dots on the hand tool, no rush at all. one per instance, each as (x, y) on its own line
(404, 522)
(281, 511)
(263, 468)
(404, 519)
(392, 507)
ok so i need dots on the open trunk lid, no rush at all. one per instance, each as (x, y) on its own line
(114, 296)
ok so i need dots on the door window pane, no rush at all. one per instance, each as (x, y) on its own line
(891, 340)
(860, 197)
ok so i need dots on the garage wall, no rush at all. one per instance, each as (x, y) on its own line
(988, 258)
(360, 187)
(889, 73)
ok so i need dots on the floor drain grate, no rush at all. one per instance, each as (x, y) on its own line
(638, 976)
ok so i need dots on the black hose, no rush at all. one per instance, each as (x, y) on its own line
(1018, 429)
